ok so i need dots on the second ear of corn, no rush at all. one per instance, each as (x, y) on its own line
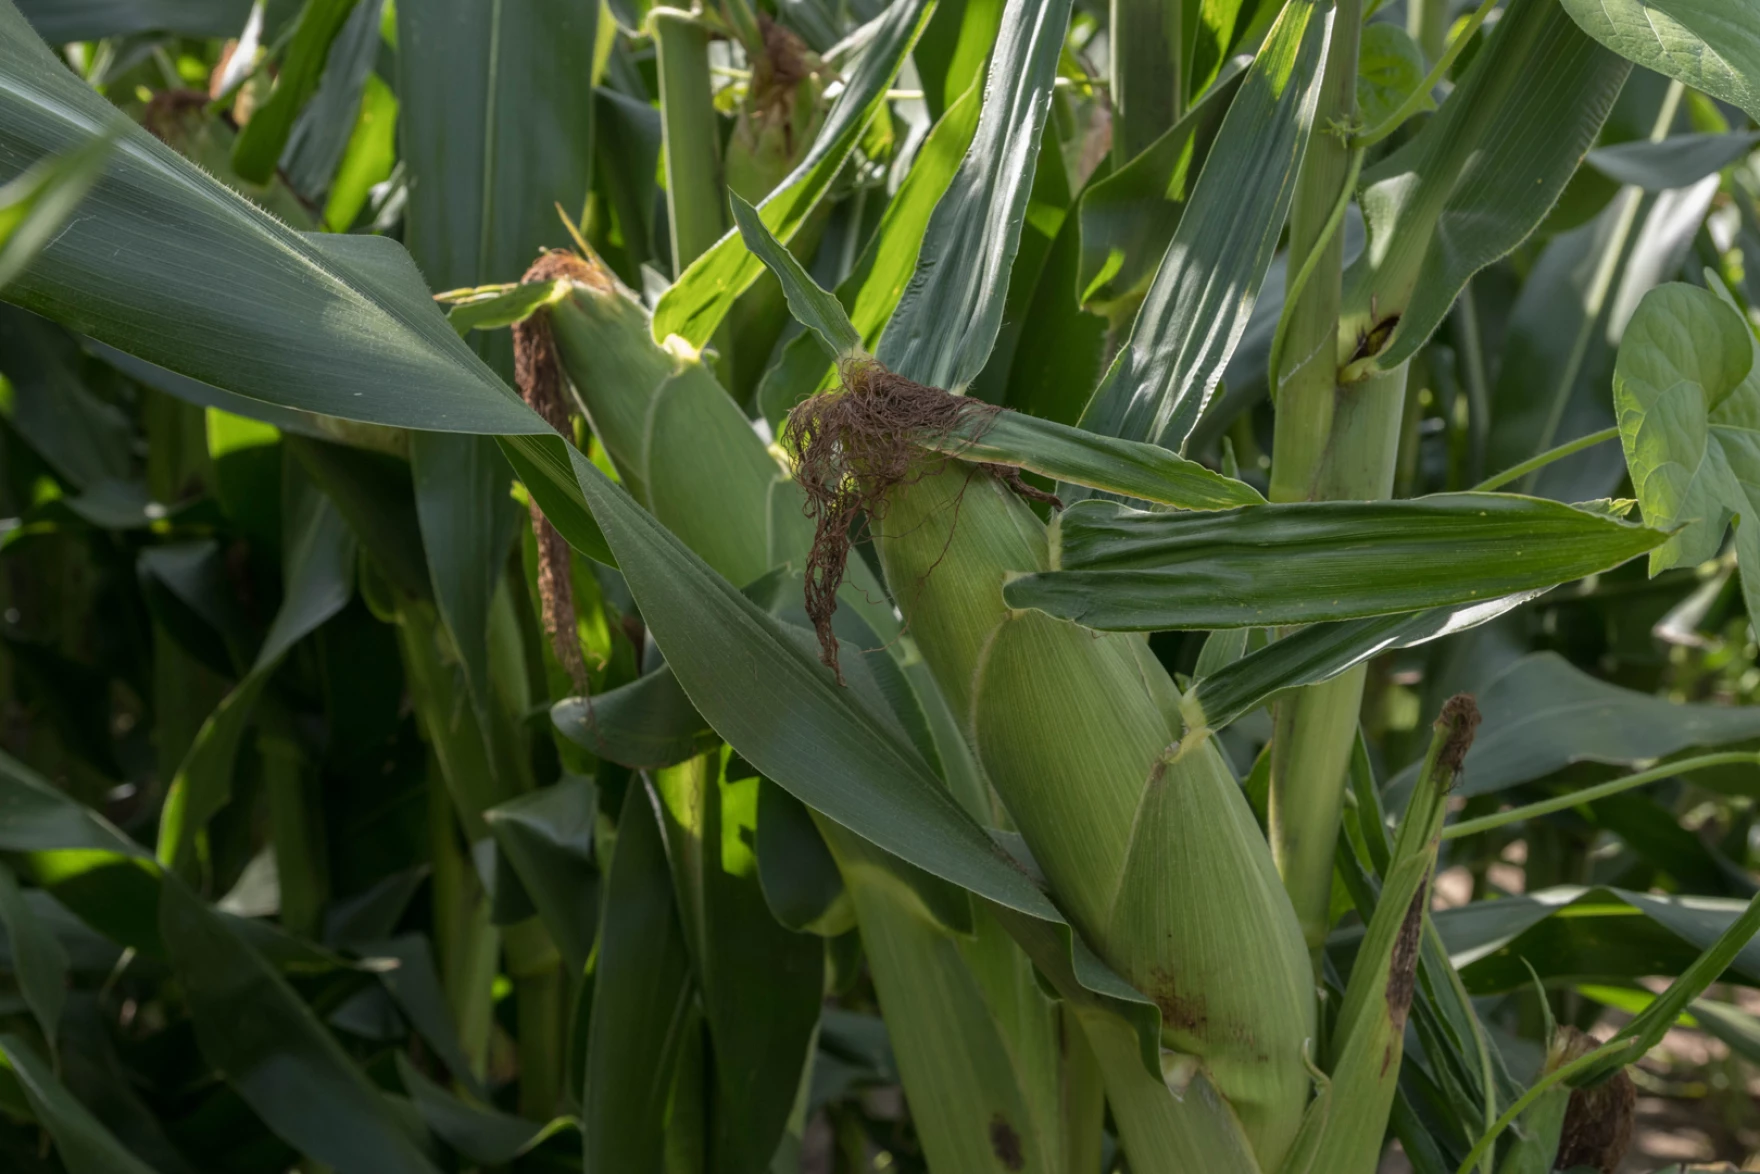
(1151, 849)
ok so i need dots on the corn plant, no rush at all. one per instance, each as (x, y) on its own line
(820, 586)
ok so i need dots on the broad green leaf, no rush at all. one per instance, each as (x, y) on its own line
(811, 306)
(760, 983)
(644, 724)
(260, 143)
(479, 1132)
(1128, 217)
(496, 103)
(34, 205)
(1203, 293)
(319, 140)
(548, 836)
(39, 961)
(974, 232)
(58, 21)
(1688, 396)
(159, 242)
(256, 1031)
(1672, 162)
(954, 49)
(320, 581)
(703, 294)
(799, 876)
(414, 984)
(1543, 714)
(1143, 471)
(1709, 45)
(1558, 354)
(1320, 652)
(85, 1146)
(83, 439)
(1144, 40)
(1123, 569)
(1476, 180)
(1042, 446)
(874, 285)
(369, 158)
(642, 997)
(1390, 67)
(1574, 934)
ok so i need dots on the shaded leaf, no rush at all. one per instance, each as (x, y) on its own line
(80, 1138)
(1709, 45)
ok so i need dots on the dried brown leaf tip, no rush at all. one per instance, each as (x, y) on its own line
(853, 447)
(539, 376)
(1459, 723)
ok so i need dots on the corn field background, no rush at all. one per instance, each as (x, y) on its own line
(833, 586)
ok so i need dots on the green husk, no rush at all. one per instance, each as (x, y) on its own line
(1125, 820)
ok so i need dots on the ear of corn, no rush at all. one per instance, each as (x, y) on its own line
(1125, 821)
(979, 1043)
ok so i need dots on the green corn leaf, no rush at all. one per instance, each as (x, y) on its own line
(1687, 389)
(548, 836)
(874, 285)
(320, 582)
(1542, 714)
(481, 1133)
(644, 724)
(811, 306)
(1709, 45)
(1197, 307)
(1128, 217)
(158, 241)
(974, 232)
(415, 986)
(85, 1146)
(1125, 570)
(34, 205)
(642, 998)
(496, 103)
(254, 1029)
(703, 294)
(1478, 178)
(1144, 471)
(39, 960)
(60, 21)
(799, 876)
(319, 139)
(1675, 162)
(1321, 652)
(760, 983)
(260, 144)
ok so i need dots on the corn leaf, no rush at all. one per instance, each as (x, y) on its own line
(1709, 45)
(260, 143)
(641, 1001)
(161, 239)
(1675, 162)
(39, 961)
(319, 139)
(701, 297)
(1479, 177)
(1126, 570)
(320, 582)
(548, 836)
(1543, 714)
(644, 724)
(481, 1133)
(874, 285)
(974, 232)
(58, 21)
(1321, 652)
(85, 1146)
(1128, 217)
(254, 1028)
(34, 205)
(1197, 306)
(811, 306)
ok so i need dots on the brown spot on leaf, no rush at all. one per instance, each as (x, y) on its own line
(1005, 1143)
(1187, 1013)
(1402, 973)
